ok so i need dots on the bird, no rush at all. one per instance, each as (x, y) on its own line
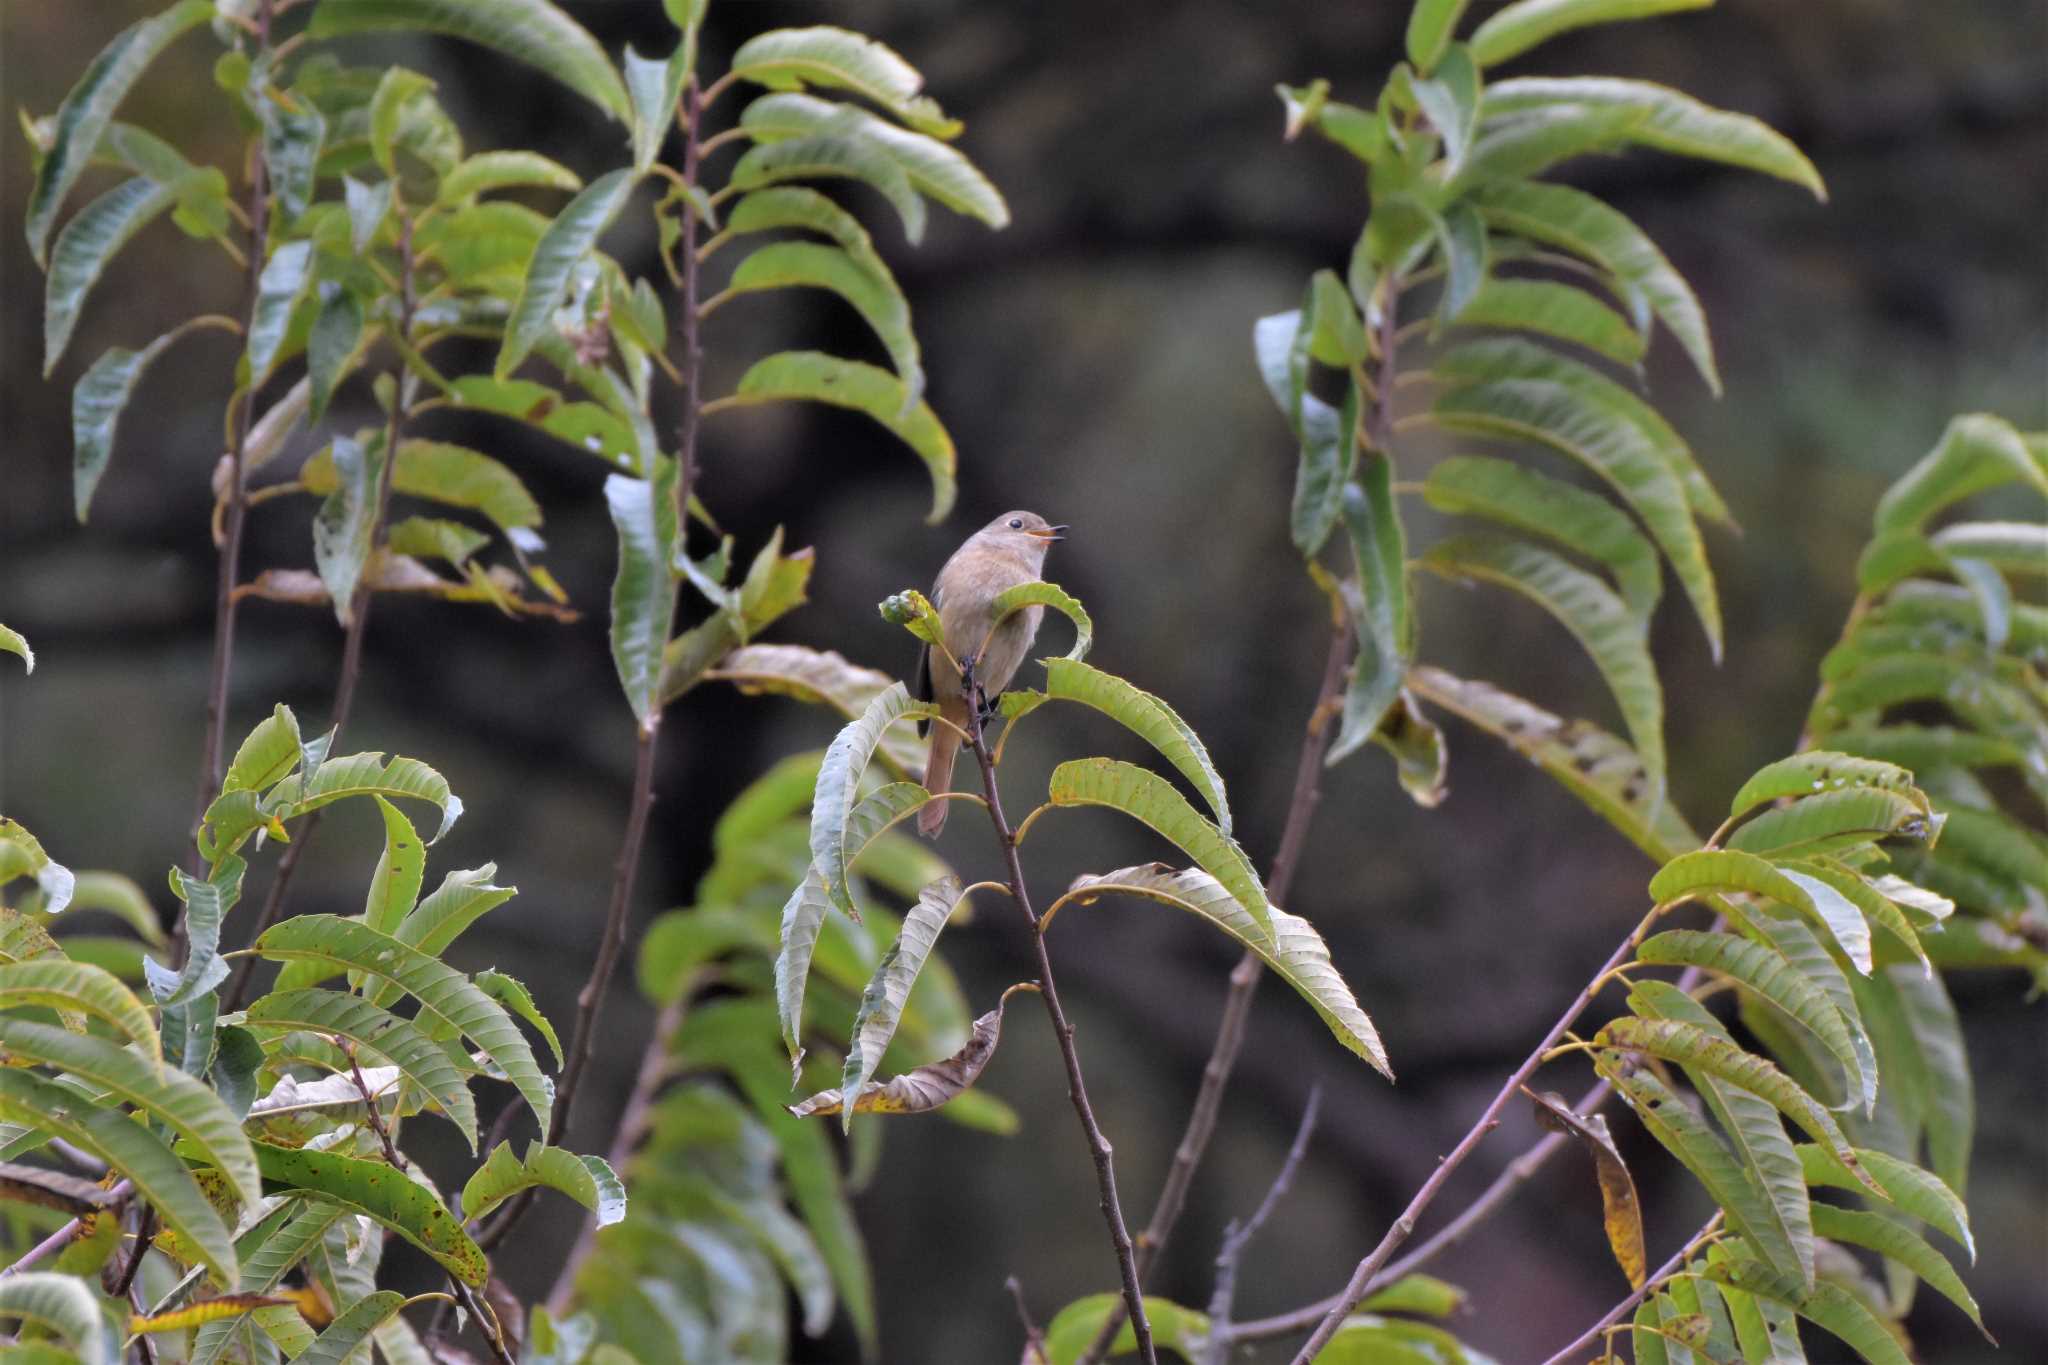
(1003, 554)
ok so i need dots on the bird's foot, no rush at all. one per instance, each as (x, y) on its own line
(987, 711)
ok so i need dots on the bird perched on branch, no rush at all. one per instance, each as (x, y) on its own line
(1003, 554)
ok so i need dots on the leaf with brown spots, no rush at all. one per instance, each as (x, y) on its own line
(1621, 1213)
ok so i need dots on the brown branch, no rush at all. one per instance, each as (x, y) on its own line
(352, 645)
(1236, 1238)
(1650, 1286)
(1034, 1340)
(64, 1236)
(1077, 1087)
(224, 600)
(633, 1126)
(1362, 1277)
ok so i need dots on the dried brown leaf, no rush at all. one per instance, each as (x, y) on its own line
(928, 1087)
(1621, 1213)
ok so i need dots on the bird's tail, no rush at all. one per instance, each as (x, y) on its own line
(938, 779)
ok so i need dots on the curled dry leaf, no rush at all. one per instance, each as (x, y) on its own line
(498, 585)
(1620, 1211)
(928, 1087)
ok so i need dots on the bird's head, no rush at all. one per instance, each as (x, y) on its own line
(1024, 530)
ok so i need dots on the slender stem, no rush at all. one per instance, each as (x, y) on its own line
(1236, 1238)
(1077, 1087)
(1362, 1277)
(485, 1322)
(633, 1126)
(1034, 1340)
(224, 601)
(358, 626)
(1650, 1286)
(63, 1236)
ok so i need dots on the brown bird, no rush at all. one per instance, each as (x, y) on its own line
(1008, 551)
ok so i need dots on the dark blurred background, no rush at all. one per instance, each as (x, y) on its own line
(1094, 364)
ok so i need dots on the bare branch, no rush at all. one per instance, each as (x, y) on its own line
(1236, 1238)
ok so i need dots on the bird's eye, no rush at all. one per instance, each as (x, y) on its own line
(1016, 523)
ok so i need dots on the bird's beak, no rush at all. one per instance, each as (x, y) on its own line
(1050, 533)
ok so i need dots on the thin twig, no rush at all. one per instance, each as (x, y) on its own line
(63, 1236)
(1077, 1087)
(1650, 1286)
(352, 645)
(1236, 1238)
(1362, 1277)
(1034, 1340)
(633, 1126)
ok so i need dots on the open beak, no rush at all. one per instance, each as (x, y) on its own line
(1050, 533)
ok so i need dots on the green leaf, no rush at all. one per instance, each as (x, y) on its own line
(511, 992)
(1451, 100)
(1293, 950)
(1897, 1243)
(1976, 452)
(444, 993)
(1382, 609)
(96, 404)
(1526, 145)
(21, 855)
(1909, 1189)
(1766, 971)
(1612, 635)
(1514, 358)
(449, 474)
(332, 347)
(487, 171)
(89, 107)
(1751, 1123)
(1534, 502)
(794, 206)
(1327, 437)
(1575, 422)
(15, 643)
(1041, 594)
(1147, 716)
(1336, 335)
(1688, 1138)
(865, 284)
(832, 805)
(129, 1148)
(381, 1193)
(60, 985)
(804, 913)
(654, 87)
(293, 130)
(568, 239)
(531, 31)
(833, 58)
(347, 520)
(1075, 1327)
(1815, 771)
(1836, 819)
(346, 1334)
(398, 1041)
(1693, 1047)
(184, 1105)
(56, 1303)
(286, 277)
(1461, 238)
(1594, 766)
(644, 588)
(821, 378)
(1920, 1046)
(1873, 905)
(84, 247)
(1668, 121)
(435, 538)
(1556, 310)
(1724, 870)
(840, 153)
(206, 904)
(1826, 1305)
(1430, 27)
(818, 676)
(1151, 800)
(1566, 217)
(882, 1003)
(366, 774)
(587, 426)
(461, 898)
(1514, 29)
(589, 1180)
(929, 165)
